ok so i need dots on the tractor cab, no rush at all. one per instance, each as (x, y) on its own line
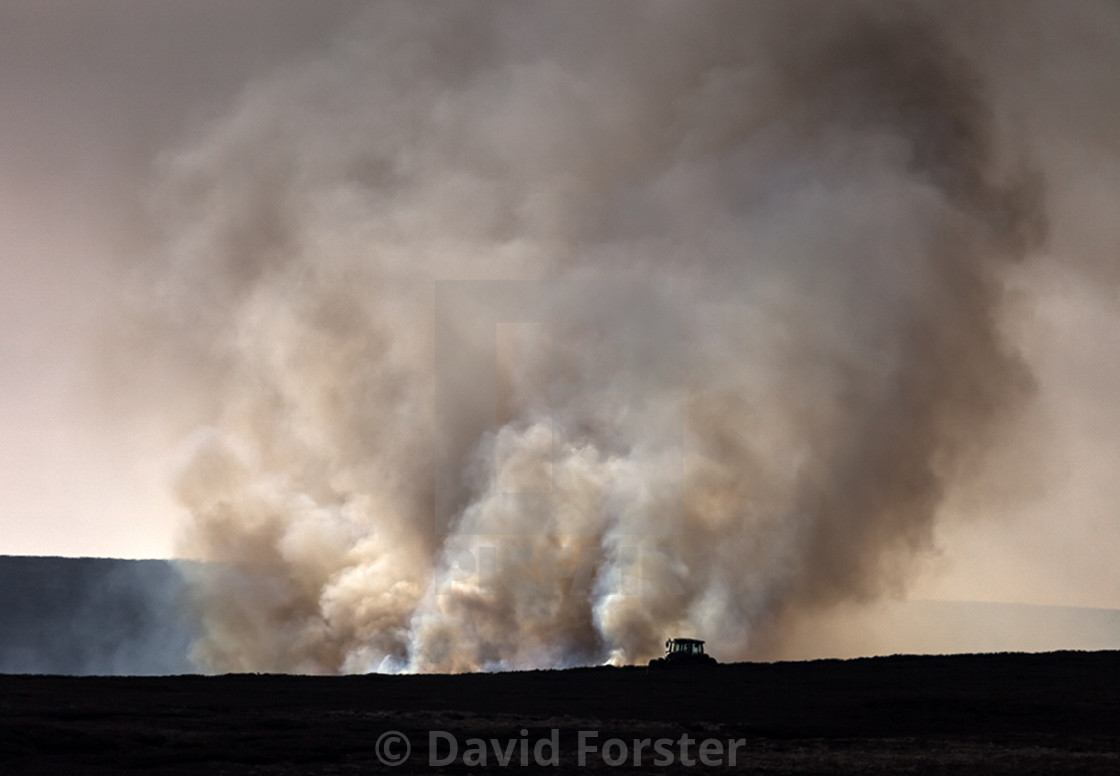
(682, 652)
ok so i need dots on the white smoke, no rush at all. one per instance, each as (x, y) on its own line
(526, 335)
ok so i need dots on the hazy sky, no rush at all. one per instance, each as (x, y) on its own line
(94, 95)
(91, 94)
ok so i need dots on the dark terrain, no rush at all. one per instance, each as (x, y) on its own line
(94, 616)
(996, 713)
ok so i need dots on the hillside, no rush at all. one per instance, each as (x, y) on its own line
(1000, 713)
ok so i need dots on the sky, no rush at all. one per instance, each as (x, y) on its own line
(93, 93)
(132, 143)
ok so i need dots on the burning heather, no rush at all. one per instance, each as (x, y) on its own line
(524, 335)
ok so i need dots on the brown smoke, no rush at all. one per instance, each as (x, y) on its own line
(526, 335)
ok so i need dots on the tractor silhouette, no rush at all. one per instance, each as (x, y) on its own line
(683, 652)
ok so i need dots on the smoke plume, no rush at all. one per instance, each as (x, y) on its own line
(523, 335)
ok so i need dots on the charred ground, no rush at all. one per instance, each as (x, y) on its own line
(999, 713)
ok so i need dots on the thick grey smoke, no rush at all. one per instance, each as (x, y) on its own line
(529, 334)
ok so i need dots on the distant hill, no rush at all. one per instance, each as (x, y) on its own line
(931, 627)
(93, 616)
(97, 616)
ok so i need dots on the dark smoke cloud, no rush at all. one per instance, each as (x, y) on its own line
(526, 335)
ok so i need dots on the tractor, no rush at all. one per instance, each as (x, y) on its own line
(683, 652)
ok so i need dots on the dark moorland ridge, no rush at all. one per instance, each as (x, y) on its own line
(95, 616)
(995, 713)
(114, 617)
